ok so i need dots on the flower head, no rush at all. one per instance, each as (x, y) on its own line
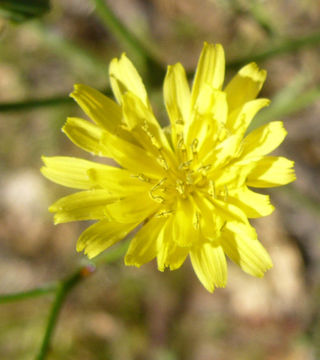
(188, 185)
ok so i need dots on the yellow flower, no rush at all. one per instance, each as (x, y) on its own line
(187, 185)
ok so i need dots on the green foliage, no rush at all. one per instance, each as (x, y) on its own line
(19, 11)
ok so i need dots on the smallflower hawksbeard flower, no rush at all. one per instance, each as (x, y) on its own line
(186, 187)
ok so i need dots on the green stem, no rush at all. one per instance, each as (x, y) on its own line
(303, 200)
(287, 46)
(46, 289)
(291, 106)
(63, 289)
(130, 41)
(113, 254)
(73, 52)
(36, 103)
(257, 13)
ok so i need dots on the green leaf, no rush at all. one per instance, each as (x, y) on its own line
(21, 10)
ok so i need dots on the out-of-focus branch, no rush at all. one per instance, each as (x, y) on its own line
(63, 290)
(286, 46)
(44, 290)
(154, 69)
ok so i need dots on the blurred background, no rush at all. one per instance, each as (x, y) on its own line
(127, 313)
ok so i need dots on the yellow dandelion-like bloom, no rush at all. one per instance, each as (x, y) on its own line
(189, 184)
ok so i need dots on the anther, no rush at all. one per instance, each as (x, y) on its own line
(196, 221)
(181, 187)
(153, 139)
(164, 213)
(226, 194)
(194, 146)
(212, 189)
(185, 165)
(162, 161)
(204, 169)
(157, 187)
(141, 177)
(180, 121)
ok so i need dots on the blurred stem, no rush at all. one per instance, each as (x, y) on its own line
(63, 46)
(63, 289)
(36, 103)
(285, 108)
(287, 46)
(46, 289)
(304, 200)
(130, 41)
(257, 13)
(113, 254)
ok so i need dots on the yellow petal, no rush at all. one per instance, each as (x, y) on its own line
(185, 223)
(263, 140)
(169, 254)
(132, 157)
(133, 208)
(100, 236)
(210, 220)
(227, 150)
(86, 135)
(245, 86)
(209, 263)
(209, 115)
(176, 93)
(102, 110)
(241, 117)
(143, 247)
(144, 126)
(124, 77)
(84, 205)
(272, 171)
(210, 70)
(118, 181)
(232, 176)
(252, 204)
(244, 249)
(69, 171)
(229, 211)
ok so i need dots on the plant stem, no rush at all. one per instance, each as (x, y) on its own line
(46, 289)
(130, 41)
(303, 200)
(63, 289)
(287, 46)
(74, 53)
(291, 106)
(36, 103)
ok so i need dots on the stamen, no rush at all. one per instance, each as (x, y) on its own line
(179, 121)
(153, 139)
(162, 161)
(181, 187)
(158, 187)
(164, 213)
(190, 177)
(185, 165)
(226, 194)
(193, 147)
(212, 189)
(196, 220)
(204, 169)
(142, 177)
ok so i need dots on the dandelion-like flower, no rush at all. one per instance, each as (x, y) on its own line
(188, 185)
